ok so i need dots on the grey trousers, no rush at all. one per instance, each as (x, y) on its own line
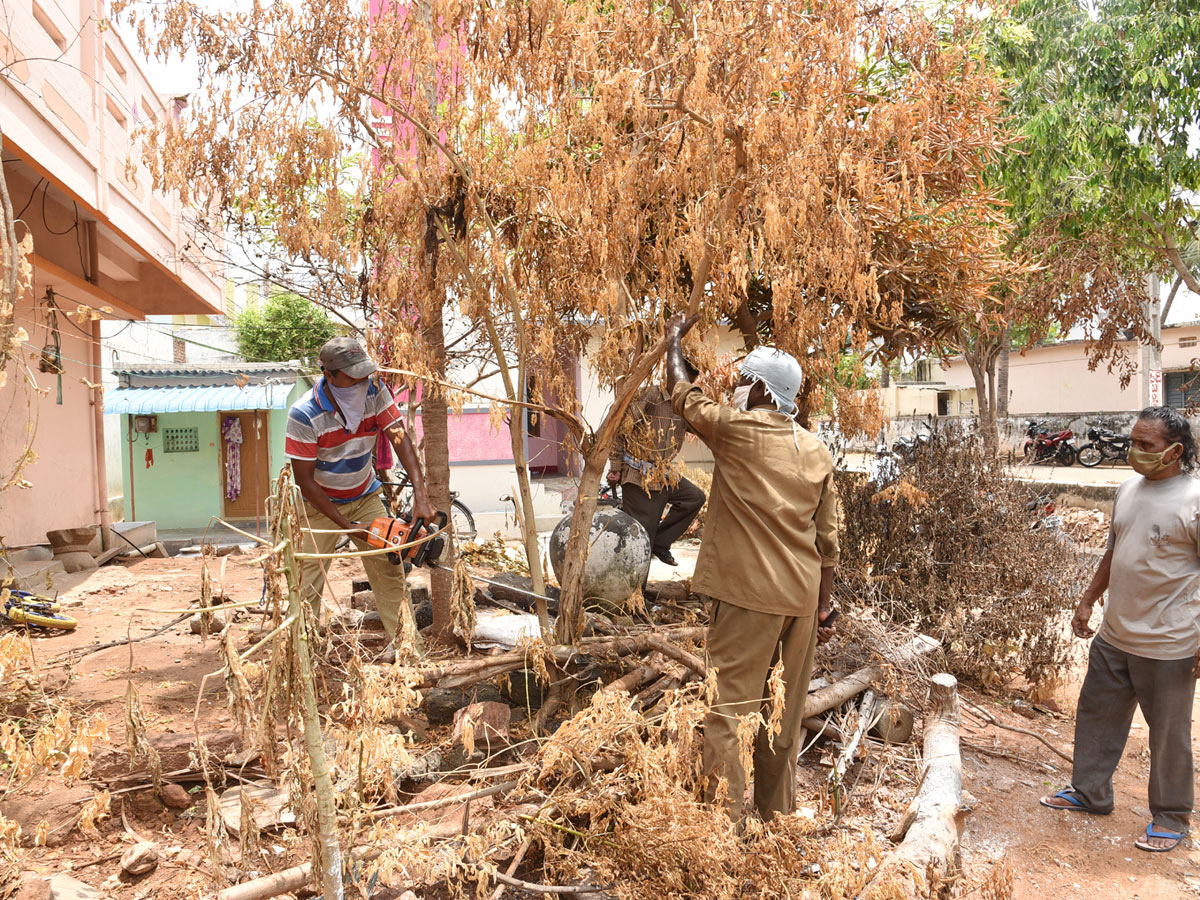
(1116, 683)
(647, 507)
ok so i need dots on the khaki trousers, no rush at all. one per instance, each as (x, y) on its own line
(387, 580)
(743, 646)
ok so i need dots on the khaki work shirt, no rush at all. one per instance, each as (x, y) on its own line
(772, 521)
(655, 426)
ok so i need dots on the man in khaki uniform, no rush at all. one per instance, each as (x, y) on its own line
(639, 464)
(766, 561)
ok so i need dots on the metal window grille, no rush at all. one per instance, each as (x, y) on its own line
(181, 440)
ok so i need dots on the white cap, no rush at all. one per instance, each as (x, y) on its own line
(779, 372)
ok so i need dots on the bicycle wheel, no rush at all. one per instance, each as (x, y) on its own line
(1090, 455)
(35, 611)
(462, 521)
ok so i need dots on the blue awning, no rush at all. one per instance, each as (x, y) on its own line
(158, 400)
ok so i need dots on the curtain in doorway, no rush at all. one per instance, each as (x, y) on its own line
(231, 431)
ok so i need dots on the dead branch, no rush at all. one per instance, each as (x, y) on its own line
(981, 713)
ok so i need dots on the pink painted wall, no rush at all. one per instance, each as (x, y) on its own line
(473, 440)
(63, 477)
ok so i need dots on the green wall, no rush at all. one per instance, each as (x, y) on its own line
(183, 490)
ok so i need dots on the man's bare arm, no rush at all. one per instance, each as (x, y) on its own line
(406, 452)
(1094, 592)
(305, 472)
(824, 592)
(676, 367)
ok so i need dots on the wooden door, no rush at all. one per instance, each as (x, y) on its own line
(250, 502)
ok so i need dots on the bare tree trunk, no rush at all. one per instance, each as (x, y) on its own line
(595, 455)
(985, 396)
(435, 418)
(1002, 374)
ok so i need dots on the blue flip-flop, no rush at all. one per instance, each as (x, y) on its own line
(1077, 805)
(1162, 834)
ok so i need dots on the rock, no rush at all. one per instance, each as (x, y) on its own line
(85, 539)
(59, 807)
(216, 623)
(489, 723)
(895, 726)
(441, 704)
(619, 559)
(33, 889)
(350, 619)
(504, 580)
(1021, 707)
(444, 821)
(407, 725)
(140, 858)
(76, 561)
(64, 887)
(524, 690)
(422, 604)
(371, 621)
(363, 600)
(175, 751)
(174, 796)
(270, 806)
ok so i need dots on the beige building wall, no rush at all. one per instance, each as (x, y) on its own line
(1056, 379)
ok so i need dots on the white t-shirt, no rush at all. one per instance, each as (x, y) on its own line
(1153, 607)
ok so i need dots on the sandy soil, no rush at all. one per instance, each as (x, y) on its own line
(1070, 854)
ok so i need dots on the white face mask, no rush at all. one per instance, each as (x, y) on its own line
(352, 401)
(741, 396)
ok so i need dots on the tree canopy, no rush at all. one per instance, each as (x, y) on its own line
(285, 326)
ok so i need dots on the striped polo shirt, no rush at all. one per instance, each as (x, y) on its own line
(316, 430)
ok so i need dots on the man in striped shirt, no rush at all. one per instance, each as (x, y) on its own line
(331, 436)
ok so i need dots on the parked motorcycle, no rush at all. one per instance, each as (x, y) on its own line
(1104, 446)
(907, 448)
(1044, 447)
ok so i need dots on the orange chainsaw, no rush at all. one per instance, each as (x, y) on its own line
(387, 531)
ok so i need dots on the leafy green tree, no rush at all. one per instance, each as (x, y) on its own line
(287, 326)
(1104, 95)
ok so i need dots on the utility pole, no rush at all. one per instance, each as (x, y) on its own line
(1152, 377)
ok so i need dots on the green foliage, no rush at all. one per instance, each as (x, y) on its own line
(285, 327)
(1104, 96)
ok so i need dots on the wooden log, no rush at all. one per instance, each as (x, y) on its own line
(854, 684)
(632, 680)
(677, 653)
(932, 826)
(468, 671)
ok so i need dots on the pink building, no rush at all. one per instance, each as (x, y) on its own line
(103, 241)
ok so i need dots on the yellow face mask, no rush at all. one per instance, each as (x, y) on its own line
(1146, 463)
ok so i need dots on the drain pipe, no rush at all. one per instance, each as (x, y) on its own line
(132, 509)
(98, 426)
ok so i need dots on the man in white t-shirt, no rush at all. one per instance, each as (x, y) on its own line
(1148, 650)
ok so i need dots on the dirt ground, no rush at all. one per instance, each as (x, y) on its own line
(1072, 854)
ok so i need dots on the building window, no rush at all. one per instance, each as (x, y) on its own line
(1182, 389)
(181, 440)
(110, 56)
(48, 26)
(1186, 342)
(115, 111)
